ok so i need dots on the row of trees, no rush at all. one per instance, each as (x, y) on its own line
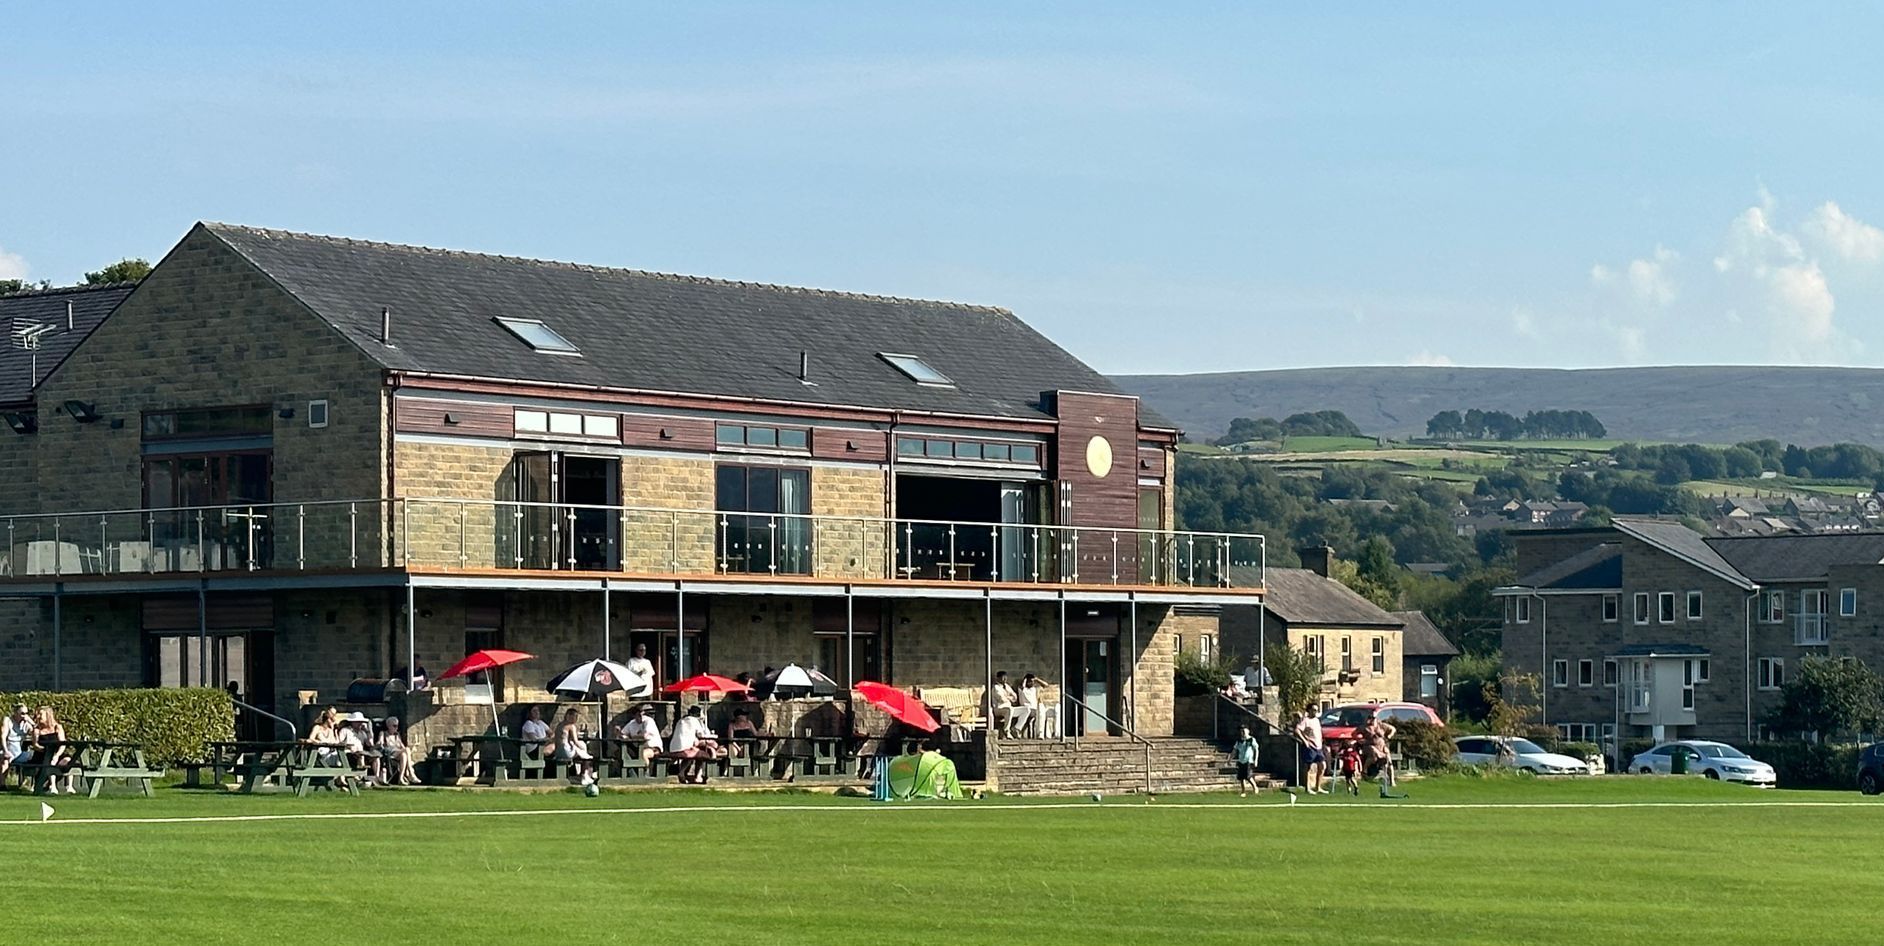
(1678, 463)
(1499, 425)
(1307, 424)
(124, 270)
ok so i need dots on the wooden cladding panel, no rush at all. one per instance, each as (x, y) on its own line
(221, 612)
(667, 433)
(1109, 501)
(836, 443)
(1151, 461)
(428, 416)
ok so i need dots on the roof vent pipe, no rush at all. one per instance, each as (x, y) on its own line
(70, 322)
(385, 326)
(804, 366)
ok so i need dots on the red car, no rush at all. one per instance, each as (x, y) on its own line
(1339, 723)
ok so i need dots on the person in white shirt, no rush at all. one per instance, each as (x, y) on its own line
(1001, 699)
(695, 744)
(356, 740)
(1307, 733)
(571, 751)
(1027, 716)
(535, 730)
(641, 666)
(17, 746)
(644, 730)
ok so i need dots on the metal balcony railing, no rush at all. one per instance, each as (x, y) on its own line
(481, 535)
(1810, 629)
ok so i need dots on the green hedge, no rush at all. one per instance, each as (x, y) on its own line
(1805, 765)
(172, 725)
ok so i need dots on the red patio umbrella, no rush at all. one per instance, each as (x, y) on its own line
(486, 660)
(706, 683)
(901, 706)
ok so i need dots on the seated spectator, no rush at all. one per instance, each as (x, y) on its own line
(1001, 700)
(356, 742)
(645, 732)
(741, 727)
(16, 745)
(535, 730)
(49, 736)
(324, 736)
(571, 751)
(1234, 689)
(395, 757)
(695, 744)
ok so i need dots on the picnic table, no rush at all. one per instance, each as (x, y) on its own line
(101, 762)
(255, 762)
(305, 768)
(470, 759)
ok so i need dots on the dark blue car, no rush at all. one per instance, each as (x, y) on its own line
(1871, 769)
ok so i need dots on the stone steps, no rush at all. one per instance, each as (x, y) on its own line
(1114, 765)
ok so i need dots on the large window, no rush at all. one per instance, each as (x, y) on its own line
(1665, 607)
(217, 538)
(1775, 610)
(1772, 673)
(1586, 673)
(1694, 606)
(1847, 602)
(208, 422)
(1610, 609)
(1380, 655)
(762, 529)
(1560, 673)
(1641, 602)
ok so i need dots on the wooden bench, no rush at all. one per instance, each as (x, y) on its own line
(106, 763)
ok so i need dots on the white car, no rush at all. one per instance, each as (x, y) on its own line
(1519, 754)
(1716, 760)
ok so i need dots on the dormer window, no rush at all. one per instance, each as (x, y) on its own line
(917, 370)
(539, 336)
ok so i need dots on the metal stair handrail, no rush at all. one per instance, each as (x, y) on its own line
(1121, 727)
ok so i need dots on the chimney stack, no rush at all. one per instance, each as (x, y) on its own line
(1318, 559)
(385, 326)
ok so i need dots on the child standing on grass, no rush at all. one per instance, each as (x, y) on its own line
(1351, 768)
(1245, 752)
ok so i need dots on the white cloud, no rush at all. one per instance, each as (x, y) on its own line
(12, 265)
(1844, 235)
(1752, 241)
(1524, 323)
(1629, 338)
(1427, 359)
(1647, 280)
(1801, 301)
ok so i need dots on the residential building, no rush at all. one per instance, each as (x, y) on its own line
(1645, 629)
(1426, 662)
(287, 461)
(1358, 642)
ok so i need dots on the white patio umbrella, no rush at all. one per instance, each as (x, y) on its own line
(596, 677)
(801, 682)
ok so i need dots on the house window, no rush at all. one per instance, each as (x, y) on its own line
(1524, 610)
(1775, 611)
(1609, 671)
(1772, 673)
(1665, 607)
(1560, 673)
(317, 414)
(566, 424)
(1586, 673)
(762, 437)
(916, 370)
(1205, 645)
(1314, 647)
(209, 422)
(1577, 732)
(1847, 602)
(1347, 654)
(1641, 607)
(539, 336)
(1694, 606)
(1611, 608)
(1703, 670)
(1687, 697)
(1380, 655)
(762, 526)
(975, 451)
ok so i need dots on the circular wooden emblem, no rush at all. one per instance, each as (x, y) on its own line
(1098, 457)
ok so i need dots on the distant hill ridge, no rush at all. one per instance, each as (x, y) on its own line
(1707, 404)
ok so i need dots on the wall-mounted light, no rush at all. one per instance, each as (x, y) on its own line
(117, 423)
(81, 411)
(666, 434)
(21, 422)
(451, 420)
(286, 413)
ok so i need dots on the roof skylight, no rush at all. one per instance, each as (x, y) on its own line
(918, 370)
(539, 336)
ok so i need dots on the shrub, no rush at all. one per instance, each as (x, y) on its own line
(172, 725)
(1580, 750)
(1809, 765)
(1425, 745)
(1195, 675)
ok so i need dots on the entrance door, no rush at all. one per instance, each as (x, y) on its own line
(1091, 676)
(1016, 544)
(558, 526)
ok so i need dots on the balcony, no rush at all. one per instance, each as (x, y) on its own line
(1812, 629)
(476, 536)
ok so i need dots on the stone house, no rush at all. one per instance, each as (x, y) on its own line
(1358, 642)
(1426, 662)
(1646, 630)
(288, 462)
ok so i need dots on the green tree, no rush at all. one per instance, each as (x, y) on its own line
(1830, 697)
(1297, 676)
(1511, 703)
(8, 286)
(130, 269)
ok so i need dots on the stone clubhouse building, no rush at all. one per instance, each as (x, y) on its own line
(288, 462)
(1644, 629)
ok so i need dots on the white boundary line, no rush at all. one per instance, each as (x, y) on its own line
(1123, 804)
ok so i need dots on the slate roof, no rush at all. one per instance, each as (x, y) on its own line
(1682, 542)
(90, 305)
(659, 332)
(1599, 566)
(1421, 638)
(1783, 558)
(1300, 596)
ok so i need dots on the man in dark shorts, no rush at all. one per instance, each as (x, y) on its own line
(1307, 733)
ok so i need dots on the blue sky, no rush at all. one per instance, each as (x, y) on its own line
(1158, 187)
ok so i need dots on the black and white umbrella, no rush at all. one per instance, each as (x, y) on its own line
(597, 677)
(794, 680)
